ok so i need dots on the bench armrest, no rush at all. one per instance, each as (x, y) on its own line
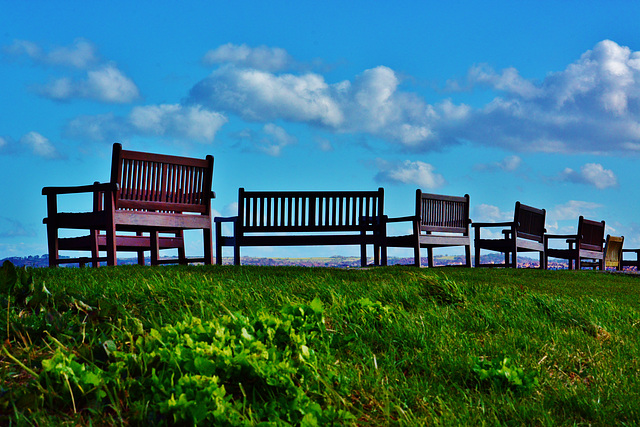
(562, 236)
(225, 219)
(636, 251)
(107, 186)
(402, 219)
(492, 224)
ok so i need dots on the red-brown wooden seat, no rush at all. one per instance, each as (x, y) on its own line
(305, 218)
(439, 221)
(584, 248)
(524, 234)
(146, 206)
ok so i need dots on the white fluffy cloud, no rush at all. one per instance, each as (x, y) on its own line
(81, 54)
(489, 213)
(591, 106)
(260, 58)
(271, 139)
(371, 104)
(508, 164)
(105, 84)
(419, 173)
(572, 209)
(175, 120)
(102, 82)
(165, 120)
(591, 174)
(39, 145)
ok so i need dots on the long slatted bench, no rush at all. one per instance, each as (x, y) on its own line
(305, 218)
(148, 194)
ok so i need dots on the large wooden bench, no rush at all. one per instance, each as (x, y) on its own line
(439, 221)
(146, 206)
(304, 218)
(524, 234)
(585, 248)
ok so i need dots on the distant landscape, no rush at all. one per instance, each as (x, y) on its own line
(333, 261)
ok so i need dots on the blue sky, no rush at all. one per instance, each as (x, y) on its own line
(533, 101)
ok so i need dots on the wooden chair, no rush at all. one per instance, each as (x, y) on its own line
(439, 221)
(613, 252)
(584, 248)
(148, 194)
(524, 234)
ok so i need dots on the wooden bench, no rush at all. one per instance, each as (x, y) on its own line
(631, 262)
(439, 221)
(584, 248)
(148, 196)
(305, 218)
(524, 234)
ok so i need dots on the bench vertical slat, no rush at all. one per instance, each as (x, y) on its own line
(285, 209)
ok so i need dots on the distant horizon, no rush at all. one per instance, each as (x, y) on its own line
(537, 102)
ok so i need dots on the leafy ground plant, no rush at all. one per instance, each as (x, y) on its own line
(187, 345)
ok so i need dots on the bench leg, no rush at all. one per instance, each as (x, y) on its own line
(140, 252)
(95, 253)
(52, 237)
(467, 254)
(155, 247)
(218, 243)
(430, 257)
(208, 246)
(111, 246)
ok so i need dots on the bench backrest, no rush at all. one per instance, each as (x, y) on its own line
(529, 222)
(590, 234)
(161, 183)
(307, 211)
(438, 213)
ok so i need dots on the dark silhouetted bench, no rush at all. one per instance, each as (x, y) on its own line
(305, 218)
(439, 221)
(585, 247)
(524, 234)
(149, 196)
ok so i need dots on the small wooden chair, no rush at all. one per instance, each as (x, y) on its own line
(613, 252)
(524, 234)
(586, 245)
(440, 221)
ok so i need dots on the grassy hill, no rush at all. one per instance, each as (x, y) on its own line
(311, 346)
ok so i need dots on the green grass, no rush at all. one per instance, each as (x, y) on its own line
(396, 346)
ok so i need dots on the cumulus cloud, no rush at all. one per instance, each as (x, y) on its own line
(489, 213)
(271, 140)
(259, 58)
(591, 106)
(106, 84)
(39, 145)
(102, 81)
(164, 120)
(591, 174)
(81, 54)
(572, 209)
(372, 103)
(257, 95)
(419, 173)
(508, 164)
(12, 228)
